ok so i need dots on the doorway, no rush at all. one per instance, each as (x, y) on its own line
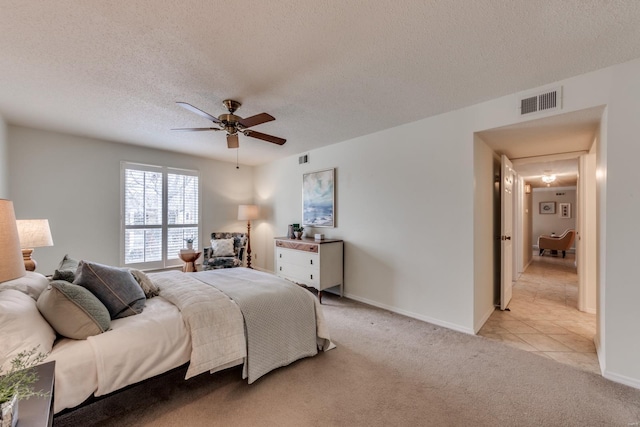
(544, 316)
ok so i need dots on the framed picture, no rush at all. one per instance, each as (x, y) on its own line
(547, 207)
(318, 198)
(565, 210)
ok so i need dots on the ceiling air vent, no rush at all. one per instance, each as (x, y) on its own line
(303, 159)
(546, 101)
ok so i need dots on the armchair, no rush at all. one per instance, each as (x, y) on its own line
(226, 251)
(560, 243)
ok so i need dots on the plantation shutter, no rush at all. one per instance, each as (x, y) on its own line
(160, 210)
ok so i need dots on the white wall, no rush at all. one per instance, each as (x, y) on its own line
(406, 212)
(75, 183)
(622, 203)
(548, 223)
(4, 161)
(391, 187)
(487, 225)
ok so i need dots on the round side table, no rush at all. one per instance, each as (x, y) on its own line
(189, 259)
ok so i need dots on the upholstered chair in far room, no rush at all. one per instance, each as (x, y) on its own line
(559, 243)
(226, 251)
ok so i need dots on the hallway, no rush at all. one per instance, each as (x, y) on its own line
(544, 318)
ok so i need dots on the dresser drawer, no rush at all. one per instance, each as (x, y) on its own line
(308, 260)
(298, 246)
(299, 274)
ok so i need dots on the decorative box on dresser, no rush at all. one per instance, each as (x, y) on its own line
(314, 263)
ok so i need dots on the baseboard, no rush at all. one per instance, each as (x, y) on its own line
(631, 382)
(427, 319)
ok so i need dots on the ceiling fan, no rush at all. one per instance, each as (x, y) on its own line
(233, 124)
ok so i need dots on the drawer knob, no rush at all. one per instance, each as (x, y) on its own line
(311, 261)
(280, 255)
(280, 268)
(311, 276)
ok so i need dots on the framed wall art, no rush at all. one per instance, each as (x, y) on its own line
(565, 210)
(547, 207)
(318, 198)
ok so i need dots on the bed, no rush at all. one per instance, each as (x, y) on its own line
(211, 319)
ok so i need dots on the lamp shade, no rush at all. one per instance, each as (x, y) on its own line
(11, 264)
(34, 233)
(247, 212)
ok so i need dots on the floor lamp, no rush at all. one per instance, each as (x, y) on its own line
(247, 213)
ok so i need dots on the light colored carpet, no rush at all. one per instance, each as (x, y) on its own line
(388, 370)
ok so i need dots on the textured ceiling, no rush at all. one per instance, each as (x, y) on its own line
(327, 70)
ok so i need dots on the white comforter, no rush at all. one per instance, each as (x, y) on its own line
(121, 356)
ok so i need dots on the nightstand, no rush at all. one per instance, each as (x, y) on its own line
(38, 411)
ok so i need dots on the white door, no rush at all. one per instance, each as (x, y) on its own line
(506, 232)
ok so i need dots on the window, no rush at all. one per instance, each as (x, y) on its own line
(160, 210)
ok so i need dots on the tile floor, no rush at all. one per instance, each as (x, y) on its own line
(544, 318)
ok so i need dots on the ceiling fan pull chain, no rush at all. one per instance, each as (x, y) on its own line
(237, 149)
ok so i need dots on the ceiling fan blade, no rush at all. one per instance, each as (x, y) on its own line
(194, 129)
(198, 111)
(232, 141)
(265, 137)
(256, 120)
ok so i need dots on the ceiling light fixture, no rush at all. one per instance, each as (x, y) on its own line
(547, 179)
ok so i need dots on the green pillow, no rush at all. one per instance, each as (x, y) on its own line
(66, 270)
(73, 311)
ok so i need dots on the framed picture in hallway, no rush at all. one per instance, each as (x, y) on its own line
(565, 210)
(547, 207)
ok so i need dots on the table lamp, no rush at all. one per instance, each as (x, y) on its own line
(34, 233)
(11, 265)
(248, 212)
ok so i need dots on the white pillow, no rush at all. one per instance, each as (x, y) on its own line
(222, 247)
(31, 284)
(22, 327)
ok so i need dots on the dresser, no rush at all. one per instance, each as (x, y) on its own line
(314, 263)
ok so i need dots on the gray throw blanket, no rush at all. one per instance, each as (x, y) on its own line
(279, 317)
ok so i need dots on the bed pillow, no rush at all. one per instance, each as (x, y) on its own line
(148, 287)
(66, 270)
(73, 311)
(22, 328)
(222, 247)
(31, 284)
(115, 288)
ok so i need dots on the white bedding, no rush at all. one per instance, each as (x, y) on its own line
(209, 332)
(120, 357)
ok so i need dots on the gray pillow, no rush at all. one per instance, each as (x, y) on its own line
(73, 311)
(66, 270)
(115, 288)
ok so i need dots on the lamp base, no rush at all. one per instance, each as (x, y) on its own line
(29, 263)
